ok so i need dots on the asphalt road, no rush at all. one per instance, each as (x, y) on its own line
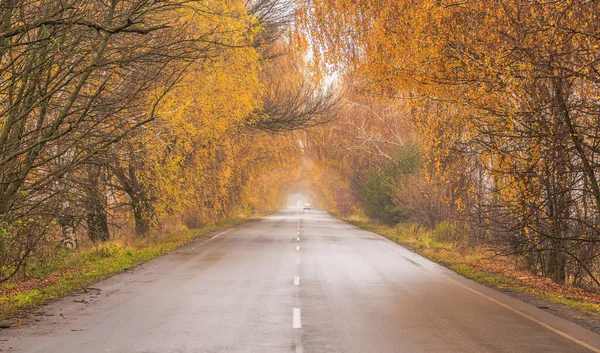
(297, 281)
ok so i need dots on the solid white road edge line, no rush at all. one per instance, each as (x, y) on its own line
(296, 323)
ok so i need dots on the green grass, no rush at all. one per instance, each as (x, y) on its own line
(446, 254)
(574, 304)
(489, 279)
(77, 270)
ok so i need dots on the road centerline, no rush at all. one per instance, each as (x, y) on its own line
(296, 320)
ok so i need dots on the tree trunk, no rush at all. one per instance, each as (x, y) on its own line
(96, 206)
(68, 232)
(143, 213)
(97, 225)
(557, 264)
(141, 200)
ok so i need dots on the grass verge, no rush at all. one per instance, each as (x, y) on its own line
(480, 266)
(76, 270)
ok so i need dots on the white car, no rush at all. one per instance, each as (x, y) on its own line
(307, 206)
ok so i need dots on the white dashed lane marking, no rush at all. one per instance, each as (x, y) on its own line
(296, 321)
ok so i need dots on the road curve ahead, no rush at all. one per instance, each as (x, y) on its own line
(297, 281)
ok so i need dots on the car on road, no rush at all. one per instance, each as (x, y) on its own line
(306, 207)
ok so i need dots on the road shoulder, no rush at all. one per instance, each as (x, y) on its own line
(88, 266)
(547, 297)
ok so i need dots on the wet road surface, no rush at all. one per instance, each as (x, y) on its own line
(297, 281)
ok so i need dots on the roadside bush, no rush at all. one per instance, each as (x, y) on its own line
(444, 232)
(379, 194)
(420, 200)
(378, 200)
(18, 239)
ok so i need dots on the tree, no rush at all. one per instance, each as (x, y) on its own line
(504, 98)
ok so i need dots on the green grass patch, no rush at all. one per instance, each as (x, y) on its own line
(574, 304)
(489, 279)
(75, 270)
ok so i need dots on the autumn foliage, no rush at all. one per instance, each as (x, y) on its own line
(502, 99)
(476, 119)
(128, 116)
